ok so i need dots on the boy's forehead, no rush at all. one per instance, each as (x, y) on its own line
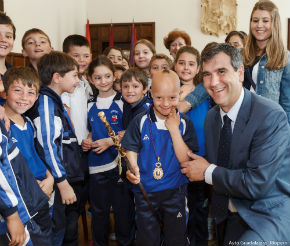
(79, 49)
(36, 35)
(8, 27)
(23, 82)
(164, 80)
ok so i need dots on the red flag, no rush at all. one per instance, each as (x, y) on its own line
(133, 41)
(88, 35)
(111, 42)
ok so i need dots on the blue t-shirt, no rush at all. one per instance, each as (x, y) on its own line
(138, 138)
(197, 115)
(23, 137)
(113, 112)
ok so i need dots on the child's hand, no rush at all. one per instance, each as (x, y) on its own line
(133, 178)
(86, 144)
(102, 144)
(121, 134)
(4, 117)
(16, 229)
(66, 192)
(172, 121)
(47, 184)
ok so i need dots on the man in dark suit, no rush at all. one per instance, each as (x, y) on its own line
(247, 156)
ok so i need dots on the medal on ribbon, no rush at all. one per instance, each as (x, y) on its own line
(158, 171)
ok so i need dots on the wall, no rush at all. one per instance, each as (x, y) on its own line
(70, 17)
(170, 14)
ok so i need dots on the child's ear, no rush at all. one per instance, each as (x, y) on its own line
(24, 53)
(145, 90)
(56, 78)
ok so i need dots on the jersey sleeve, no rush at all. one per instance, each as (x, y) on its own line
(132, 137)
(49, 131)
(189, 136)
(8, 199)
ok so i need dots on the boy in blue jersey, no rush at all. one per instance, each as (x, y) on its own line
(106, 188)
(20, 195)
(134, 86)
(56, 142)
(157, 142)
(35, 44)
(21, 87)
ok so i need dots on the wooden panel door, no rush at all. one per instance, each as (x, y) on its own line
(100, 35)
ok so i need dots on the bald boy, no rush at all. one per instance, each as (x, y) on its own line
(156, 142)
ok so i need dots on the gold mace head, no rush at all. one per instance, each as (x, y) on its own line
(101, 114)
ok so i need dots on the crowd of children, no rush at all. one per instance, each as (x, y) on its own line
(56, 153)
(55, 125)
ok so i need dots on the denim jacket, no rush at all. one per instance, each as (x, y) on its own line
(274, 84)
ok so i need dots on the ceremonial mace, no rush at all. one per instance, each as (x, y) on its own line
(128, 164)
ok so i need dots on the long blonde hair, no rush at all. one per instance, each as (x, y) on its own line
(275, 49)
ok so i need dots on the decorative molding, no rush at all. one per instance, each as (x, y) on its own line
(218, 17)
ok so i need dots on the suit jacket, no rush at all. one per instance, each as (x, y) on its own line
(257, 179)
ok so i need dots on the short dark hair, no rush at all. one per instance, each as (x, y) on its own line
(5, 20)
(74, 40)
(25, 74)
(55, 62)
(101, 60)
(232, 52)
(136, 73)
(31, 31)
(108, 49)
(160, 56)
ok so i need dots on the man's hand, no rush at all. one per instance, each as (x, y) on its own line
(133, 178)
(66, 192)
(102, 144)
(172, 121)
(195, 169)
(16, 229)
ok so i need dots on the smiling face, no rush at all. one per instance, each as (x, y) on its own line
(158, 65)
(69, 81)
(133, 91)
(261, 25)
(186, 67)
(221, 81)
(176, 45)
(82, 54)
(115, 56)
(20, 98)
(6, 39)
(165, 90)
(103, 79)
(142, 56)
(35, 46)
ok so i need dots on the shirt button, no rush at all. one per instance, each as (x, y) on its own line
(261, 82)
(263, 66)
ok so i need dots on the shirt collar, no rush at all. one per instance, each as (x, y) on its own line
(233, 112)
